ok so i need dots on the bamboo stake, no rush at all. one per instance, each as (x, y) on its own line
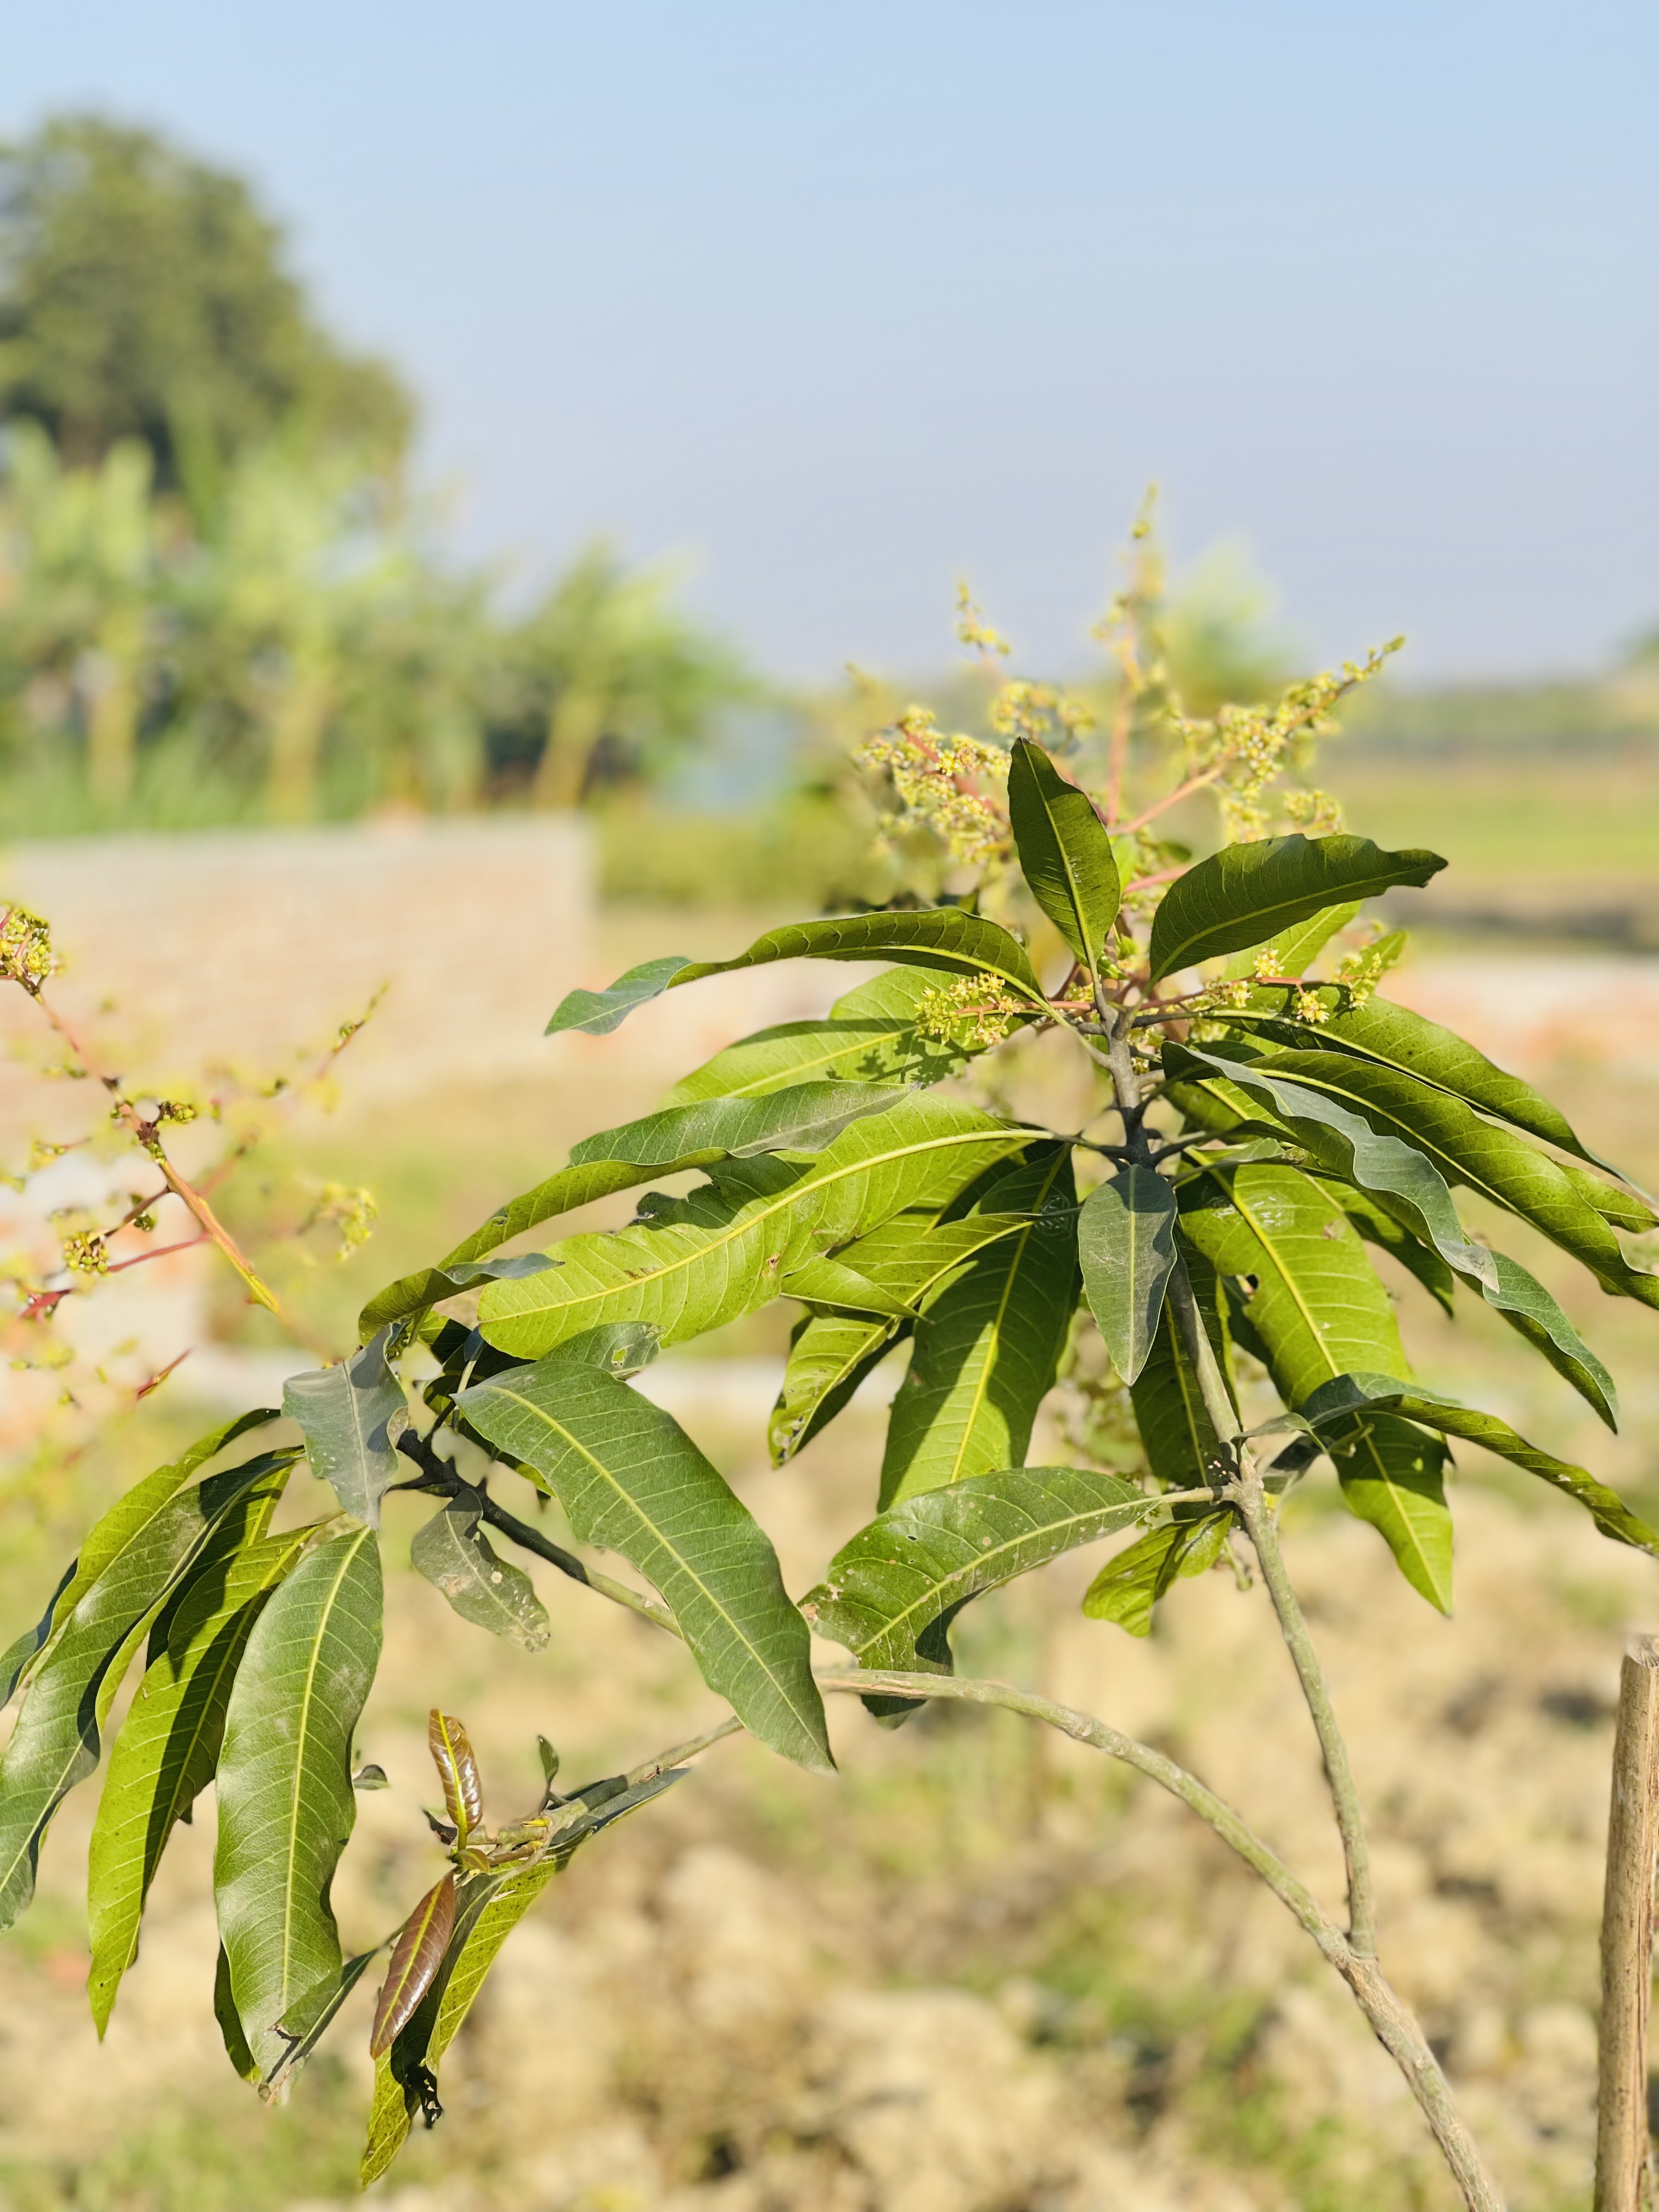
(1622, 2148)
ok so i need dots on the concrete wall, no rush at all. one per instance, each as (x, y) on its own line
(253, 946)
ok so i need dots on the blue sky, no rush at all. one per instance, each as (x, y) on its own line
(843, 302)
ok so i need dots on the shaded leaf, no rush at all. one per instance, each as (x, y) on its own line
(1182, 1450)
(989, 1343)
(230, 2027)
(1247, 894)
(305, 2024)
(869, 1036)
(57, 1739)
(1065, 855)
(704, 1260)
(1125, 1243)
(629, 1478)
(168, 1746)
(286, 1803)
(1606, 1508)
(946, 937)
(415, 1957)
(351, 1414)
(891, 1594)
(456, 1556)
(1127, 1587)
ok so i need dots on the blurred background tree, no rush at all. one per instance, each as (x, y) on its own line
(143, 295)
(218, 602)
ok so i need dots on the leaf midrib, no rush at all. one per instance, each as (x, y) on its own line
(501, 1390)
(302, 1740)
(1037, 1529)
(766, 1210)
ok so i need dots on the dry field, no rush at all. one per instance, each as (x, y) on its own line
(980, 1971)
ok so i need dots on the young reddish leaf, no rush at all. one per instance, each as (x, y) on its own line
(458, 1770)
(415, 1957)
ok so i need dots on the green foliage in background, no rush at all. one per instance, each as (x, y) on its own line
(1195, 1255)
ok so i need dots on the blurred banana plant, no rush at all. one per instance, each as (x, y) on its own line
(1196, 1256)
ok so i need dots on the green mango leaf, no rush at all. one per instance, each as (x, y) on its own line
(1323, 1117)
(801, 1118)
(1530, 1311)
(831, 1353)
(1065, 855)
(307, 2022)
(832, 1284)
(1371, 1216)
(286, 1803)
(891, 1594)
(1318, 1310)
(57, 1740)
(630, 1479)
(457, 1558)
(1368, 1392)
(1182, 1450)
(168, 1746)
(351, 1415)
(989, 1343)
(869, 1036)
(1622, 1208)
(1247, 894)
(1396, 1038)
(1125, 1241)
(1127, 1587)
(488, 1907)
(946, 937)
(599, 1013)
(1462, 1148)
(230, 2027)
(704, 1260)
(1298, 946)
(126, 1521)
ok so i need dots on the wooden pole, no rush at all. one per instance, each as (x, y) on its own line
(1621, 2127)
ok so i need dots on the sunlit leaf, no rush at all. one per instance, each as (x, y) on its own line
(1317, 1310)
(1246, 894)
(869, 1036)
(1384, 1392)
(945, 937)
(1065, 855)
(629, 1478)
(704, 1260)
(457, 1763)
(1127, 1587)
(169, 1745)
(891, 1594)
(989, 1343)
(57, 1739)
(286, 1803)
